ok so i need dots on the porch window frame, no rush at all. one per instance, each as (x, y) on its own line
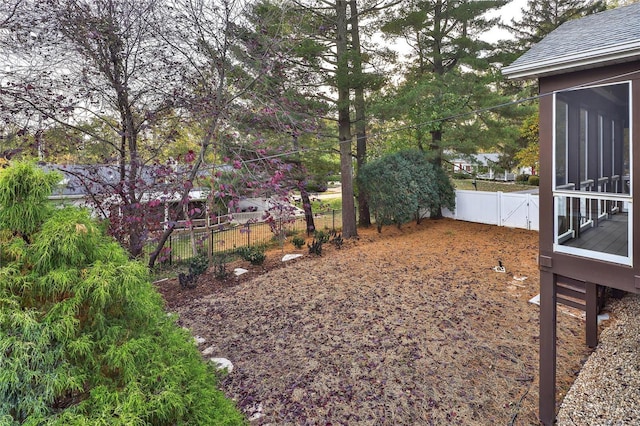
(568, 191)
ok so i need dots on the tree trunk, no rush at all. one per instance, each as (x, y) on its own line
(436, 160)
(349, 228)
(364, 218)
(304, 195)
(308, 214)
(186, 190)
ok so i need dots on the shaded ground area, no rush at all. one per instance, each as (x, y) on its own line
(407, 327)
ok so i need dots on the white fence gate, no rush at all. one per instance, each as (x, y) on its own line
(514, 210)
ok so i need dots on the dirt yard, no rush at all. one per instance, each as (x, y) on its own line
(407, 327)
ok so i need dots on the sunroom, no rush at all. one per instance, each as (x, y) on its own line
(588, 73)
(592, 172)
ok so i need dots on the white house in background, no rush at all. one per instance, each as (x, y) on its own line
(472, 162)
(257, 209)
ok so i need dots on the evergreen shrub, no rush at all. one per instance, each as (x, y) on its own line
(253, 254)
(298, 242)
(84, 338)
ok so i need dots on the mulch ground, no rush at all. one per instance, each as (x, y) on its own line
(408, 327)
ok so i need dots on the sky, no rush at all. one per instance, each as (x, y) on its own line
(506, 13)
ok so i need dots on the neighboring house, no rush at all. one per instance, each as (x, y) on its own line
(81, 182)
(472, 163)
(258, 209)
(484, 166)
(588, 71)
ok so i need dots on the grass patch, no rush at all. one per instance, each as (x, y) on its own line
(490, 185)
(327, 204)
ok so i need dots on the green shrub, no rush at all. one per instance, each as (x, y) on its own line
(534, 180)
(219, 262)
(461, 175)
(321, 236)
(522, 178)
(316, 185)
(401, 184)
(298, 242)
(253, 254)
(83, 334)
(199, 264)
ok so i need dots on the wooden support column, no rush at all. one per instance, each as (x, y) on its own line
(548, 312)
(591, 308)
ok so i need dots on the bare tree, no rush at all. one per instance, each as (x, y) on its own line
(209, 41)
(130, 66)
(99, 61)
(8, 11)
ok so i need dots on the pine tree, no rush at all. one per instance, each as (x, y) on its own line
(84, 338)
(447, 54)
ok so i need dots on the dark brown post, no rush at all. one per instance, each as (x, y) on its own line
(548, 311)
(591, 308)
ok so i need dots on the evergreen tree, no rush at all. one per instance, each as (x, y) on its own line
(84, 338)
(538, 19)
(447, 51)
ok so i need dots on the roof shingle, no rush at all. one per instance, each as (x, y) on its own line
(595, 40)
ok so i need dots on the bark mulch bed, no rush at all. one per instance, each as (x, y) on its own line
(408, 327)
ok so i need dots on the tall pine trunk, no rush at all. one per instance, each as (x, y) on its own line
(436, 160)
(349, 228)
(364, 218)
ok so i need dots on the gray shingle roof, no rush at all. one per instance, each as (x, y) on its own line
(604, 38)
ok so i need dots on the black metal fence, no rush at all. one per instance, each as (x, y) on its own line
(229, 236)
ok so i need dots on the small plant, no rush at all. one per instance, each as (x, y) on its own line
(253, 254)
(199, 264)
(315, 247)
(219, 263)
(534, 180)
(336, 239)
(321, 236)
(297, 242)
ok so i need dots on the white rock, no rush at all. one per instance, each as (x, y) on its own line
(208, 351)
(240, 271)
(222, 364)
(288, 257)
(257, 412)
(200, 340)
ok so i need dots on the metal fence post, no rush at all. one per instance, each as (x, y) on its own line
(170, 250)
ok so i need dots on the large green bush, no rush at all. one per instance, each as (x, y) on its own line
(84, 338)
(400, 185)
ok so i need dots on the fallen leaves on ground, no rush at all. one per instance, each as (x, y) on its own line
(409, 327)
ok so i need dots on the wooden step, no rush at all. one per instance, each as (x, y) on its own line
(571, 292)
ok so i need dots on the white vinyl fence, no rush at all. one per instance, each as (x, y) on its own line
(514, 210)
